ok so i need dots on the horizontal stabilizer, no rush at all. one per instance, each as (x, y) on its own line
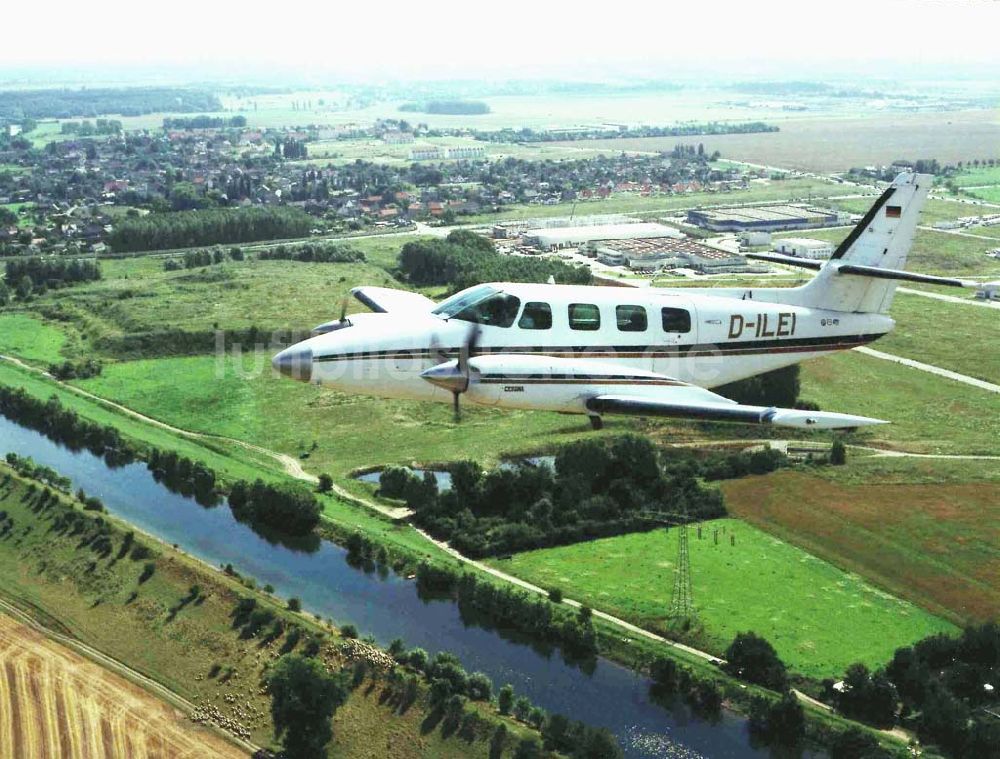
(777, 258)
(383, 300)
(722, 411)
(903, 276)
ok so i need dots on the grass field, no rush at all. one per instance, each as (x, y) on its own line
(940, 333)
(928, 414)
(136, 295)
(989, 194)
(58, 580)
(935, 543)
(976, 177)
(934, 210)
(54, 702)
(801, 604)
(30, 338)
(933, 252)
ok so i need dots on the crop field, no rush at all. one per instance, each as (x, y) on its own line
(837, 144)
(54, 702)
(936, 543)
(801, 604)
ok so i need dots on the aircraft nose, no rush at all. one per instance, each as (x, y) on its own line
(294, 362)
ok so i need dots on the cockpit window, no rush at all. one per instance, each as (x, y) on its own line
(482, 305)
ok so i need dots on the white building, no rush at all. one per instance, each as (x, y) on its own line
(803, 247)
(754, 238)
(565, 237)
(426, 154)
(467, 152)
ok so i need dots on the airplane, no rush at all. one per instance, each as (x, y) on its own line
(603, 350)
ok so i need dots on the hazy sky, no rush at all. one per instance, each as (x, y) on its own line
(470, 39)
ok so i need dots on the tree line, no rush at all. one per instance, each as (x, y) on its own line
(526, 134)
(597, 489)
(16, 105)
(188, 229)
(35, 275)
(204, 122)
(448, 107)
(319, 252)
(464, 259)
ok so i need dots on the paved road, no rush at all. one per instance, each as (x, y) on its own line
(947, 373)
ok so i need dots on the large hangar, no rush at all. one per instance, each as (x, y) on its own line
(763, 219)
(574, 237)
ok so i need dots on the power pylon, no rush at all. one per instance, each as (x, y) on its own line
(682, 600)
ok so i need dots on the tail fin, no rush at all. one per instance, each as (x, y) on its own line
(881, 241)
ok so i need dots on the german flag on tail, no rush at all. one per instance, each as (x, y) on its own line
(893, 212)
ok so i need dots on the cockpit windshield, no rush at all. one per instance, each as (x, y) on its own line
(483, 304)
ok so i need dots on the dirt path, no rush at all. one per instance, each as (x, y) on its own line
(88, 688)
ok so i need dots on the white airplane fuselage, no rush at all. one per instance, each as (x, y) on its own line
(693, 338)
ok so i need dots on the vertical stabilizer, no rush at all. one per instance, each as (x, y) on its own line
(882, 240)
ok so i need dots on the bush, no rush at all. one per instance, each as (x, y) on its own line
(294, 604)
(349, 631)
(325, 484)
(555, 595)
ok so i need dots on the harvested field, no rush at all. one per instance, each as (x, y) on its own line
(837, 144)
(937, 545)
(55, 702)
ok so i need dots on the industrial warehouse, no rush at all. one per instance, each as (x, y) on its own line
(576, 236)
(764, 219)
(653, 255)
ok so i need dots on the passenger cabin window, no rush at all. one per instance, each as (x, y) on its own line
(536, 316)
(631, 318)
(676, 320)
(585, 316)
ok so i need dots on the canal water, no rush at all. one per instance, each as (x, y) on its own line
(386, 607)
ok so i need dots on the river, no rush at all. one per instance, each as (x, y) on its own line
(388, 607)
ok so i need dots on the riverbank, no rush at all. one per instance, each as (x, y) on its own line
(185, 640)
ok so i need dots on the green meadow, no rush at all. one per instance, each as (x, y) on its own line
(820, 619)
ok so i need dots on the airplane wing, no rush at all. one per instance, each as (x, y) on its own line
(383, 300)
(721, 410)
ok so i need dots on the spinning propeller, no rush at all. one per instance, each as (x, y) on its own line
(454, 375)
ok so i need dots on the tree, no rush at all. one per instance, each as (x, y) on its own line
(304, 698)
(325, 484)
(753, 659)
(786, 721)
(838, 453)
(505, 699)
(855, 743)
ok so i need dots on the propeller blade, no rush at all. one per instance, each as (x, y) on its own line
(456, 406)
(467, 350)
(343, 309)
